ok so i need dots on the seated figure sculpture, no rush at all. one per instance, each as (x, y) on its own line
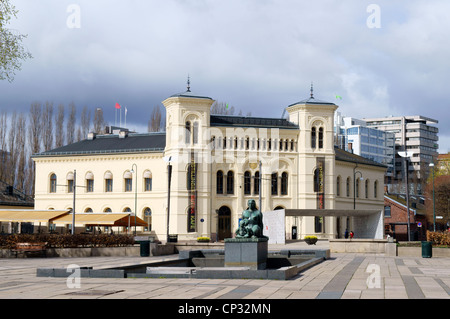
(251, 225)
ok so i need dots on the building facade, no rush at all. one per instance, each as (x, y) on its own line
(416, 134)
(197, 177)
(354, 136)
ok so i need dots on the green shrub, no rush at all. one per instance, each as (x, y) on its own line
(68, 240)
(203, 239)
(439, 238)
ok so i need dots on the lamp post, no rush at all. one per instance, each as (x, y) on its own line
(168, 159)
(73, 209)
(135, 195)
(354, 186)
(434, 203)
(407, 155)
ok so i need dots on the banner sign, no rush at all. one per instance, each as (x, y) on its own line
(192, 179)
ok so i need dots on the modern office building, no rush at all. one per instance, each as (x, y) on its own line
(354, 136)
(416, 134)
(196, 178)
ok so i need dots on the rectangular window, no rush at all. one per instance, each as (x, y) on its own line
(108, 185)
(387, 211)
(70, 186)
(274, 184)
(89, 185)
(148, 184)
(128, 185)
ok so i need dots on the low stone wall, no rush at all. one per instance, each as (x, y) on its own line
(417, 252)
(131, 251)
(359, 245)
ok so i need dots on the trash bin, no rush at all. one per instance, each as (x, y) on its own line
(294, 232)
(145, 248)
(427, 249)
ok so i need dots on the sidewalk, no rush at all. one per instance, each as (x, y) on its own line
(343, 276)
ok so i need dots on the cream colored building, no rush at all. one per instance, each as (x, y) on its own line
(217, 164)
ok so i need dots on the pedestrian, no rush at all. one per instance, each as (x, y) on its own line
(346, 233)
(351, 234)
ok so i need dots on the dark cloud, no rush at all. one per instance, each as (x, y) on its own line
(260, 56)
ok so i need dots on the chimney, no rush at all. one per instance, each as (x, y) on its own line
(123, 134)
(350, 147)
(91, 136)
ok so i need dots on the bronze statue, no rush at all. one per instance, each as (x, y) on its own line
(251, 225)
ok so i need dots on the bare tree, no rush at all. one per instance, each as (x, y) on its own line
(154, 124)
(71, 124)
(3, 144)
(47, 126)
(222, 108)
(99, 121)
(12, 158)
(59, 127)
(85, 121)
(20, 149)
(34, 138)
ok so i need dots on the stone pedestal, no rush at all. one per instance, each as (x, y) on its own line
(246, 252)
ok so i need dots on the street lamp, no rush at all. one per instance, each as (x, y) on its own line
(434, 206)
(135, 195)
(407, 155)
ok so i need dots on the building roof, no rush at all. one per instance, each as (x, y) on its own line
(189, 94)
(108, 144)
(313, 100)
(244, 121)
(345, 156)
(9, 196)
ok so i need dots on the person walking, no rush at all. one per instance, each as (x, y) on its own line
(351, 234)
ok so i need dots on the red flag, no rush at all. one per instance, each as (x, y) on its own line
(117, 106)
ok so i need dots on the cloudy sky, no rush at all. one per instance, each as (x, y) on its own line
(258, 55)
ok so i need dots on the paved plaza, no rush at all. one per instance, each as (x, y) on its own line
(343, 276)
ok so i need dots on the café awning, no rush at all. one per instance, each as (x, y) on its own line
(30, 215)
(100, 219)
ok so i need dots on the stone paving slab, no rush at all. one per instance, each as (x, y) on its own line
(343, 276)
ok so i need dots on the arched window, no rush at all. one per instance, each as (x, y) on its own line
(366, 188)
(338, 186)
(247, 183)
(107, 210)
(128, 181)
(313, 137)
(219, 179)
(108, 182)
(284, 183)
(256, 184)
(148, 218)
(70, 182)
(188, 132)
(89, 182)
(348, 187)
(53, 183)
(230, 182)
(127, 210)
(357, 188)
(195, 133)
(321, 137)
(375, 189)
(88, 210)
(148, 181)
(274, 180)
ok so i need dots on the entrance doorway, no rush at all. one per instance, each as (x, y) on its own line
(224, 223)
